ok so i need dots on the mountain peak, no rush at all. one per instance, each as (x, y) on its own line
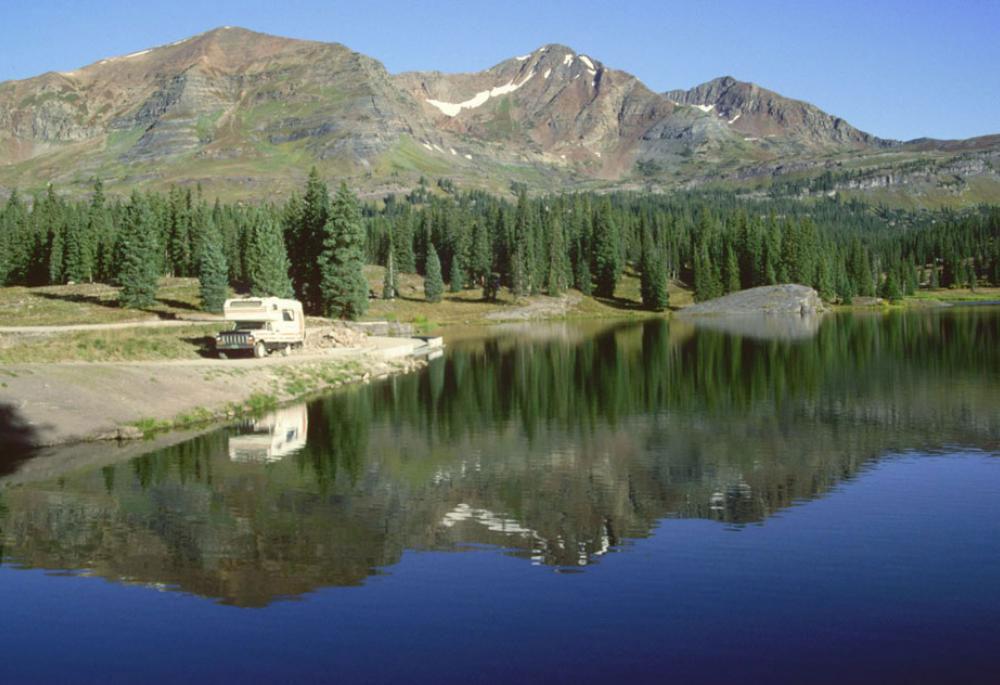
(760, 114)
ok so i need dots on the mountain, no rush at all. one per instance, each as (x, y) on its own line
(758, 113)
(246, 114)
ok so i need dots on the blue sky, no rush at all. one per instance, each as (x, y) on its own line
(896, 69)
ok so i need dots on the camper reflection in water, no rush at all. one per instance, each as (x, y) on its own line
(272, 437)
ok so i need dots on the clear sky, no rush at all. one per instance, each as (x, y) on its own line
(900, 69)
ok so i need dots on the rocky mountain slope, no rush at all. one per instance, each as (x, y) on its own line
(244, 114)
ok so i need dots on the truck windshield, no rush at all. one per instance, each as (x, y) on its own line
(250, 325)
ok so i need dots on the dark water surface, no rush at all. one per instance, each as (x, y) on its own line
(644, 502)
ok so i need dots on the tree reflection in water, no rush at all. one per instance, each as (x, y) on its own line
(559, 444)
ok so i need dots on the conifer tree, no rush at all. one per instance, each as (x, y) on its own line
(732, 269)
(607, 259)
(824, 280)
(890, 287)
(433, 284)
(557, 279)
(52, 213)
(213, 274)
(523, 254)
(306, 242)
(481, 255)
(456, 280)
(653, 274)
(582, 275)
(343, 288)
(138, 256)
(390, 286)
(707, 281)
(17, 243)
(266, 261)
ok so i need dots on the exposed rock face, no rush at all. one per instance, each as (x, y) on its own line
(788, 299)
(760, 113)
(246, 110)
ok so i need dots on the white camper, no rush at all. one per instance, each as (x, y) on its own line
(262, 325)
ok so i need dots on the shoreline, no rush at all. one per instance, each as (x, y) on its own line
(64, 403)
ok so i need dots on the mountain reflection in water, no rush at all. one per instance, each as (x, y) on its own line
(559, 446)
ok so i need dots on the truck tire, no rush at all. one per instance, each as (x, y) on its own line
(222, 355)
(260, 350)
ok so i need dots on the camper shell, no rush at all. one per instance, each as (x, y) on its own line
(261, 325)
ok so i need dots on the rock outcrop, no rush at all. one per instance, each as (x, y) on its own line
(782, 300)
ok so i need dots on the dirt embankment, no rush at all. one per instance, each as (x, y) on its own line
(57, 403)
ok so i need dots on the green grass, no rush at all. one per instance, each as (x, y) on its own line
(302, 380)
(468, 306)
(205, 126)
(129, 344)
(409, 155)
(92, 303)
(956, 295)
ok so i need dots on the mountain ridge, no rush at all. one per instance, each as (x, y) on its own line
(239, 110)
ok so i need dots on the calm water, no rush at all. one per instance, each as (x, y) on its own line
(642, 502)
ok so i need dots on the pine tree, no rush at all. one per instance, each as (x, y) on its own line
(138, 256)
(731, 278)
(480, 252)
(607, 259)
(584, 279)
(343, 288)
(825, 281)
(306, 242)
(522, 256)
(52, 213)
(707, 280)
(433, 284)
(213, 274)
(653, 273)
(890, 287)
(266, 260)
(456, 280)
(403, 245)
(557, 278)
(390, 286)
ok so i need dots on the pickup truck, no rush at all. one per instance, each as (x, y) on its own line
(261, 325)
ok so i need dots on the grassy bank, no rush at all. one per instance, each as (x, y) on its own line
(956, 295)
(93, 303)
(118, 345)
(469, 307)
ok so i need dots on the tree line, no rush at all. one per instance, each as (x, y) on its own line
(313, 246)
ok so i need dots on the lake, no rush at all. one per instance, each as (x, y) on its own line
(786, 502)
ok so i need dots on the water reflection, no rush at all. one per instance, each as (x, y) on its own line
(771, 327)
(559, 447)
(272, 437)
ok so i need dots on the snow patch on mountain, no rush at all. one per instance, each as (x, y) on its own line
(586, 60)
(705, 108)
(567, 60)
(452, 109)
